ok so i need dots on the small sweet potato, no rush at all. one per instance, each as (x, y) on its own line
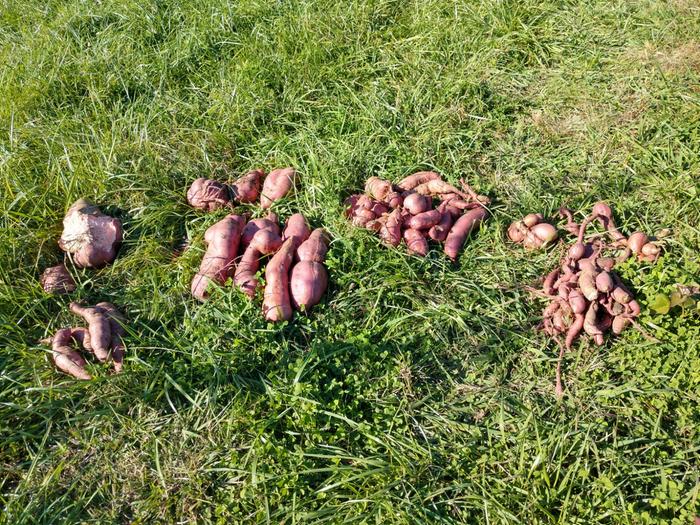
(425, 220)
(264, 242)
(99, 328)
(57, 280)
(90, 236)
(254, 226)
(461, 229)
(416, 242)
(296, 229)
(390, 231)
(277, 185)
(417, 179)
(440, 231)
(415, 203)
(65, 358)
(116, 322)
(276, 301)
(218, 263)
(247, 188)
(208, 195)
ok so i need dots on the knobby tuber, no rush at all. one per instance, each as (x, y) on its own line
(91, 237)
(309, 277)
(264, 242)
(208, 195)
(57, 280)
(405, 212)
(277, 185)
(217, 265)
(532, 232)
(247, 188)
(266, 223)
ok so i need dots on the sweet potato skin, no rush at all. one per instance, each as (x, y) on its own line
(418, 178)
(65, 358)
(99, 328)
(461, 229)
(57, 280)
(296, 229)
(255, 225)
(208, 195)
(415, 242)
(246, 189)
(217, 265)
(314, 248)
(116, 322)
(277, 185)
(390, 231)
(308, 283)
(264, 242)
(425, 220)
(92, 237)
(276, 302)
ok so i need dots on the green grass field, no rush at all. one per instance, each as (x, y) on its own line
(417, 392)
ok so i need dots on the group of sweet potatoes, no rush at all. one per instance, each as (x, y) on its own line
(90, 239)
(407, 211)
(585, 294)
(295, 277)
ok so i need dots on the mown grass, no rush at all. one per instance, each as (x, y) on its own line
(417, 392)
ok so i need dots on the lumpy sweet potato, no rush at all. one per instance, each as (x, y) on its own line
(265, 242)
(90, 236)
(418, 178)
(222, 249)
(65, 357)
(415, 242)
(315, 247)
(247, 188)
(57, 280)
(208, 194)
(254, 226)
(277, 185)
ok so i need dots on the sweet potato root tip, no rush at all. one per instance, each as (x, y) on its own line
(461, 229)
(90, 236)
(277, 185)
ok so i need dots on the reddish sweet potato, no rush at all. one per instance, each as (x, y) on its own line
(416, 242)
(425, 220)
(247, 188)
(57, 280)
(276, 301)
(390, 231)
(440, 231)
(277, 185)
(116, 323)
(308, 283)
(254, 226)
(208, 195)
(415, 203)
(438, 188)
(66, 359)
(92, 237)
(315, 247)
(461, 229)
(264, 242)
(297, 229)
(218, 262)
(417, 179)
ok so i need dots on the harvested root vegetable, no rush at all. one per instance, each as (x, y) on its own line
(247, 188)
(532, 232)
(254, 226)
(91, 237)
(65, 357)
(219, 260)
(104, 332)
(461, 230)
(296, 229)
(208, 194)
(265, 242)
(410, 215)
(276, 303)
(277, 185)
(309, 278)
(57, 280)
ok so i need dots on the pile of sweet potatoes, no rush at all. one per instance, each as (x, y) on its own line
(407, 212)
(585, 294)
(295, 277)
(209, 195)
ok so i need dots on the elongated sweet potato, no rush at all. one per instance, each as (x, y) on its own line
(66, 358)
(418, 178)
(99, 328)
(297, 229)
(440, 231)
(265, 242)
(116, 323)
(255, 225)
(415, 242)
(425, 220)
(390, 231)
(276, 301)
(461, 229)
(90, 236)
(438, 188)
(309, 278)
(57, 280)
(219, 260)
(208, 195)
(277, 185)
(247, 188)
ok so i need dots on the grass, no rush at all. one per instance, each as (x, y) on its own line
(417, 392)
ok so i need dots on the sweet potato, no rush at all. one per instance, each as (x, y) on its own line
(315, 247)
(116, 322)
(390, 231)
(276, 301)
(247, 188)
(90, 236)
(277, 185)
(461, 229)
(415, 203)
(636, 242)
(296, 229)
(57, 280)
(253, 226)
(438, 188)
(67, 359)
(309, 278)
(208, 195)
(415, 242)
(217, 265)
(378, 189)
(604, 282)
(604, 214)
(425, 220)
(440, 231)
(264, 242)
(418, 178)
(99, 328)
